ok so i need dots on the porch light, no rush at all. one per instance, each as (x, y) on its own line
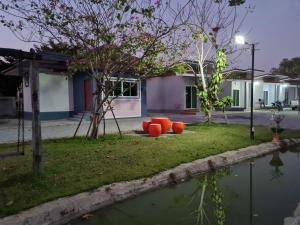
(240, 40)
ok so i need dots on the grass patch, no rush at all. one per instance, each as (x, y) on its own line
(75, 165)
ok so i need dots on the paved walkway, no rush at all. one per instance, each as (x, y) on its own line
(63, 128)
(66, 128)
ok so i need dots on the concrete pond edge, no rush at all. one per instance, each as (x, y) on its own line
(64, 209)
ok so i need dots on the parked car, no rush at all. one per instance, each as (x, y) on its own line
(295, 104)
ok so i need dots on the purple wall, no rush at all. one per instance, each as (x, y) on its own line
(166, 94)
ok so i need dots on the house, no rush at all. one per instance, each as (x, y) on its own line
(172, 94)
(63, 96)
(267, 89)
(176, 93)
(130, 103)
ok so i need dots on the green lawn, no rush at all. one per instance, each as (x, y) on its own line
(76, 165)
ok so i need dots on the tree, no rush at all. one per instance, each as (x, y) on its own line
(56, 47)
(289, 67)
(212, 26)
(111, 38)
(6, 62)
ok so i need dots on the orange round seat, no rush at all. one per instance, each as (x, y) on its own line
(178, 127)
(154, 129)
(169, 124)
(146, 126)
(164, 122)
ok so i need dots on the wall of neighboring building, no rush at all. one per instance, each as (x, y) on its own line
(166, 94)
(258, 92)
(54, 96)
(125, 108)
(27, 98)
(55, 99)
(281, 97)
(226, 89)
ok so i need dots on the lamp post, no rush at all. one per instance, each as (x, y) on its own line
(241, 40)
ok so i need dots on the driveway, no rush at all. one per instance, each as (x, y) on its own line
(62, 128)
(260, 118)
(66, 128)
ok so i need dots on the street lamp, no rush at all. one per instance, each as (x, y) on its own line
(239, 39)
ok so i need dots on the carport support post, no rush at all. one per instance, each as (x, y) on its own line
(36, 123)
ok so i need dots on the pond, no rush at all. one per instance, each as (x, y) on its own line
(226, 196)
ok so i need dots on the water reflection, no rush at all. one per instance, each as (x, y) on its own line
(246, 193)
(276, 163)
(210, 198)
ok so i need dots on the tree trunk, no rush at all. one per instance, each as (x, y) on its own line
(98, 114)
(208, 117)
(37, 153)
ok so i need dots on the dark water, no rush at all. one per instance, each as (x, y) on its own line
(226, 199)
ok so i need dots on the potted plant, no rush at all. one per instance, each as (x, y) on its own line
(276, 129)
(276, 162)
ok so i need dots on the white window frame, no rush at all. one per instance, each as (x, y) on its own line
(128, 80)
(239, 105)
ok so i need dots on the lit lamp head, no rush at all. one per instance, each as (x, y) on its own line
(240, 40)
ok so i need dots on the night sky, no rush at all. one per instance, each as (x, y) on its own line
(275, 24)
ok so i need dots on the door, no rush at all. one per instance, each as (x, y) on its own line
(266, 97)
(88, 96)
(236, 97)
(190, 97)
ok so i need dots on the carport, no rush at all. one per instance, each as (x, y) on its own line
(28, 78)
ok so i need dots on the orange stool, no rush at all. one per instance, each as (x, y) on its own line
(146, 126)
(178, 127)
(169, 124)
(164, 122)
(154, 129)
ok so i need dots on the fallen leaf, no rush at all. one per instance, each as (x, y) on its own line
(86, 216)
(10, 203)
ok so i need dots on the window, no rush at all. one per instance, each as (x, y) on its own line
(123, 88)
(191, 97)
(236, 97)
(266, 97)
(117, 88)
(286, 96)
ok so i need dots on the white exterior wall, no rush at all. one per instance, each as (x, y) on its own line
(71, 96)
(27, 97)
(54, 93)
(258, 92)
(282, 92)
(166, 93)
